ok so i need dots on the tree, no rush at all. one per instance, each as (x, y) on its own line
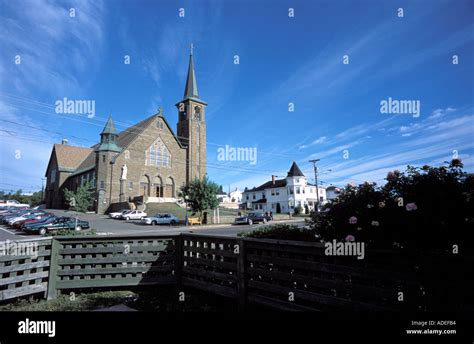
(36, 198)
(81, 199)
(200, 195)
(298, 210)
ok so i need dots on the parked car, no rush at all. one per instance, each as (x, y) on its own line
(47, 219)
(133, 215)
(13, 203)
(28, 215)
(36, 218)
(158, 219)
(116, 215)
(252, 218)
(56, 224)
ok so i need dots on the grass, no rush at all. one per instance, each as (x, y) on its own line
(157, 299)
(169, 207)
(80, 302)
(173, 208)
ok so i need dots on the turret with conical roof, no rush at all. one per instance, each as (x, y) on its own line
(108, 137)
(295, 171)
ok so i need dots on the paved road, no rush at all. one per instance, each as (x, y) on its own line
(106, 226)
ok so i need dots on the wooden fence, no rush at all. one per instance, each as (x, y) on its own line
(21, 272)
(286, 275)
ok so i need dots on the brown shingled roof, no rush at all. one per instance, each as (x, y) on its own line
(70, 157)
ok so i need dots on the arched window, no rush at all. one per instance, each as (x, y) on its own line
(158, 154)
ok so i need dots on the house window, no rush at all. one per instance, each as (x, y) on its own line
(291, 191)
(102, 184)
(53, 176)
(130, 185)
(93, 182)
(278, 192)
(273, 192)
(82, 180)
(263, 195)
(103, 158)
(298, 190)
(253, 196)
(159, 124)
(247, 197)
(321, 199)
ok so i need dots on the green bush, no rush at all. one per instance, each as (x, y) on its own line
(70, 232)
(426, 207)
(282, 232)
(298, 210)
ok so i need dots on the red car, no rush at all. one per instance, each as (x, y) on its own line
(39, 217)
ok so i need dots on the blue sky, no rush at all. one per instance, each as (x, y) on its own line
(283, 60)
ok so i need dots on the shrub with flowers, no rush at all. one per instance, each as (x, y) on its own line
(422, 207)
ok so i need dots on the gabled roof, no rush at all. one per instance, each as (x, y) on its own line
(69, 157)
(126, 137)
(269, 185)
(295, 171)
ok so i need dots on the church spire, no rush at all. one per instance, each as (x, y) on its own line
(108, 137)
(109, 127)
(191, 90)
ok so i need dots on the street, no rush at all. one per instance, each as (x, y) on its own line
(103, 225)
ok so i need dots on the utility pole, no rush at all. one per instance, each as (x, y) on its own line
(314, 161)
(42, 189)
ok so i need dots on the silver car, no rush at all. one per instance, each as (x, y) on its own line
(159, 219)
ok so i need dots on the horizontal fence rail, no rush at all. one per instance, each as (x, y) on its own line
(24, 268)
(278, 274)
(111, 262)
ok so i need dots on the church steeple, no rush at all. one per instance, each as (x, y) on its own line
(108, 137)
(192, 126)
(191, 89)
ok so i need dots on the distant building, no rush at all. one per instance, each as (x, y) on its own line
(230, 200)
(332, 192)
(288, 193)
(146, 161)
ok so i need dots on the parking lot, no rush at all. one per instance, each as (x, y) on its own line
(104, 225)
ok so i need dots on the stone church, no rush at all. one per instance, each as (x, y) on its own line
(144, 163)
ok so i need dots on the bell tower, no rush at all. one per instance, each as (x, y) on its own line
(192, 126)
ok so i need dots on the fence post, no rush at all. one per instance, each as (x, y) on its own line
(53, 270)
(178, 269)
(241, 281)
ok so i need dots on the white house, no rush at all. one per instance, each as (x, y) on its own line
(231, 200)
(290, 192)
